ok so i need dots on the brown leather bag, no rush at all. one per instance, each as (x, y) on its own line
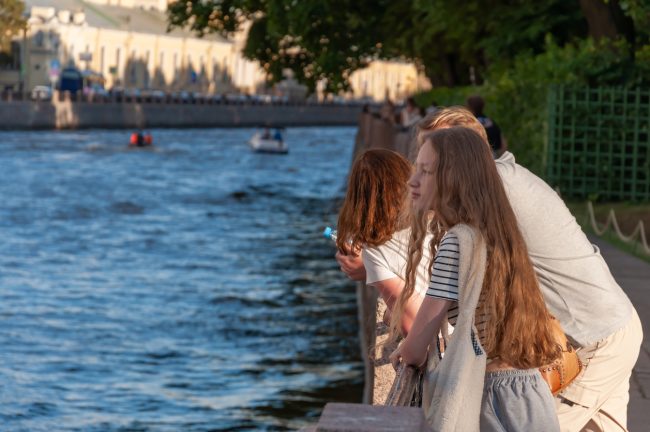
(559, 374)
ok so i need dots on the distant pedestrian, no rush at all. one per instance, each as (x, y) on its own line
(410, 115)
(476, 104)
(432, 109)
(277, 135)
(387, 111)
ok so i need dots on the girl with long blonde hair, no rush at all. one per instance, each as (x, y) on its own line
(483, 283)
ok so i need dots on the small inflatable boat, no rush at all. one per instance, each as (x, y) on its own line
(267, 145)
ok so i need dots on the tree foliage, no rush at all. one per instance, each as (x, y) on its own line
(457, 43)
(317, 40)
(11, 22)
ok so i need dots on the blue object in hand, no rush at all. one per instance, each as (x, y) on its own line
(329, 233)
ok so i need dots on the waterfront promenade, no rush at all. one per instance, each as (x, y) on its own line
(633, 275)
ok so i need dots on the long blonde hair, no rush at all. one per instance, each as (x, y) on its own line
(467, 189)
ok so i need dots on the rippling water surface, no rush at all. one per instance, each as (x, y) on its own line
(185, 288)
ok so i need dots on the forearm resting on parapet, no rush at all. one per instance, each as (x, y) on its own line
(413, 350)
(390, 291)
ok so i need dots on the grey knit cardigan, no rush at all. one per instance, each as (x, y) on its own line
(453, 385)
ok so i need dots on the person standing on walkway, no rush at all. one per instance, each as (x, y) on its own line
(578, 288)
(410, 114)
(484, 284)
(476, 105)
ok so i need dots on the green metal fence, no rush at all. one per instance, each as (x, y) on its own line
(599, 142)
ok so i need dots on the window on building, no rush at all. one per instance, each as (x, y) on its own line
(39, 39)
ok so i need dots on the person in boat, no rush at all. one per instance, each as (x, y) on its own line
(137, 139)
(277, 135)
(266, 135)
(147, 139)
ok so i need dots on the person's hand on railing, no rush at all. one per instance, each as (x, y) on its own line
(396, 357)
(406, 389)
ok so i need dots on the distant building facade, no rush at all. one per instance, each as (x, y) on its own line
(160, 5)
(388, 79)
(130, 48)
(126, 42)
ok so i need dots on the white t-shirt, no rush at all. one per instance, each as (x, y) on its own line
(575, 281)
(389, 261)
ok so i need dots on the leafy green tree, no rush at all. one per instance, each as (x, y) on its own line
(457, 43)
(317, 40)
(11, 22)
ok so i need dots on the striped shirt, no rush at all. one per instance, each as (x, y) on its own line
(444, 279)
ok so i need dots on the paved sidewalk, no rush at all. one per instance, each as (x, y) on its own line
(633, 275)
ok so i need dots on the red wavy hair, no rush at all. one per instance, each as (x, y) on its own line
(373, 207)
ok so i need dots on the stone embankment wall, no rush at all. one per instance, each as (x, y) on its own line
(67, 114)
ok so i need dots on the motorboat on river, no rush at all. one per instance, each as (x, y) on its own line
(267, 143)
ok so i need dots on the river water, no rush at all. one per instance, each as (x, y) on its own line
(185, 288)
